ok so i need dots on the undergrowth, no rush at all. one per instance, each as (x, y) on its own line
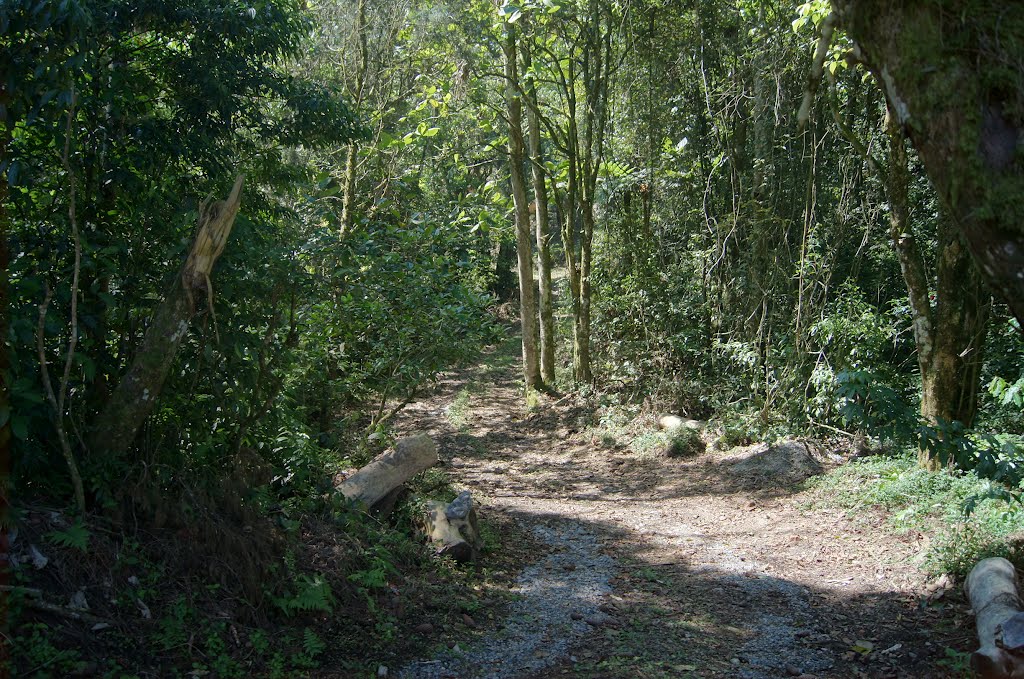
(953, 508)
(341, 589)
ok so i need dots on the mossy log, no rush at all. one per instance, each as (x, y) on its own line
(992, 589)
(453, 529)
(389, 470)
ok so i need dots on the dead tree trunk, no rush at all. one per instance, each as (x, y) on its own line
(992, 589)
(134, 397)
(389, 470)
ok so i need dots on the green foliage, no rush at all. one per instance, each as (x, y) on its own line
(882, 412)
(34, 649)
(966, 521)
(308, 593)
(685, 442)
(1006, 393)
(76, 536)
(870, 403)
(957, 662)
(456, 411)
(312, 647)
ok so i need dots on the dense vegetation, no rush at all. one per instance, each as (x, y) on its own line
(724, 254)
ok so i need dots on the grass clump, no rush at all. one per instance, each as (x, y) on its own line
(457, 411)
(956, 509)
(684, 442)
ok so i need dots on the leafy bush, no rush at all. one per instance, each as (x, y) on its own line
(882, 412)
(684, 442)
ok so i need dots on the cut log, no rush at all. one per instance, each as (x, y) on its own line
(453, 529)
(389, 470)
(992, 589)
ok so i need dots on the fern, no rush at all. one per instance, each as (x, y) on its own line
(312, 645)
(312, 594)
(76, 535)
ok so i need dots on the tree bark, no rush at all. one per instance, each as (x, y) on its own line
(5, 364)
(949, 334)
(949, 386)
(135, 395)
(596, 73)
(453, 528)
(524, 245)
(952, 72)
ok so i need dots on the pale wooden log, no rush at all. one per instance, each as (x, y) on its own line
(992, 589)
(453, 529)
(670, 422)
(390, 469)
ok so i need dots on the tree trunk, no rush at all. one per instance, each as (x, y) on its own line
(134, 397)
(5, 316)
(949, 334)
(524, 245)
(453, 528)
(949, 387)
(503, 286)
(585, 373)
(570, 243)
(595, 70)
(352, 156)
(951, 71)
(540, 200)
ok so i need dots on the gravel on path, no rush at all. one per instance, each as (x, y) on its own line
(558, 595)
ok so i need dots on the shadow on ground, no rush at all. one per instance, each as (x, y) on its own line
(711, 579)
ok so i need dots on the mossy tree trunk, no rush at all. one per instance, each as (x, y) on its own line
(949, 325)
(951, 71)
(135, 395)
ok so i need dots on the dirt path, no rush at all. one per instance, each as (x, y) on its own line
(657, 567)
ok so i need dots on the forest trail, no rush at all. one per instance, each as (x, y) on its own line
(636, 565)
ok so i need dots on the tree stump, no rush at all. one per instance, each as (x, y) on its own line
(453, 529)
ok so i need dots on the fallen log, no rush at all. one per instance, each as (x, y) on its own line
(992, 590)
(389, 470)
(670, 422)
(452, 528)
